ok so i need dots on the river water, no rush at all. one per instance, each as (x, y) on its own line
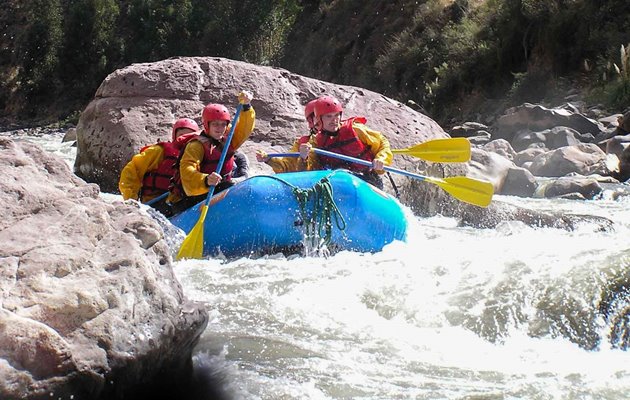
(452, 313)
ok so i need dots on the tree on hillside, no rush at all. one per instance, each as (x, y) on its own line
(157, 29)
(91, 47)
(39, 48)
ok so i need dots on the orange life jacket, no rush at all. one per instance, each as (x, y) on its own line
(212, 149)
(345, 141)
(158, 181)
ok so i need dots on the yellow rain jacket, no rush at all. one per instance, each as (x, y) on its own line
(378, 144)
(132, 174)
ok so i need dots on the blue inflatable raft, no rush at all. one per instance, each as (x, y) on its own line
(268, 214)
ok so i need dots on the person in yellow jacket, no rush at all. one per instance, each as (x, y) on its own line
(295, 164)
(199, 160)
(350, 137)
(148, 174)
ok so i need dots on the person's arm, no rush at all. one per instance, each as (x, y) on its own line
(132, 174)
(244, 127)
(193, 180)
(312, 162)
(286, 164)
(378, 144)
(296, 164)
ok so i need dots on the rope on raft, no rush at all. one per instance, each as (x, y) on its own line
(323, 211)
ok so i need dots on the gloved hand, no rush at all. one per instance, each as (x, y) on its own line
(245, 97)
(377, 165)
(305, 148)
(261, 156)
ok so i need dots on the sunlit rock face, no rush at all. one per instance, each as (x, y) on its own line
(89, 304)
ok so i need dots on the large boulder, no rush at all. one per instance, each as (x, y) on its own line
(89, 305)
(136, 105)
(488, 166)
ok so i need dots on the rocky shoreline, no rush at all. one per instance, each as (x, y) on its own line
(89, 306)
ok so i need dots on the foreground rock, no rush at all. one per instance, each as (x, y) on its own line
(89, 304)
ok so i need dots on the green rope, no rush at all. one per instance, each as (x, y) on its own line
(324, 212)
(318, 211)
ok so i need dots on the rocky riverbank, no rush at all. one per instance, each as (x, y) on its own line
(89, 305)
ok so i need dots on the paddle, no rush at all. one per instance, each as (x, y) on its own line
(468, 190)
(440, 150)
(437, 150)
(155, 200)
(192, 246)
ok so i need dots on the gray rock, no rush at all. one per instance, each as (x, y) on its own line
(554, 138)
(501, 147)
(527, 156)
(581, 186)
(480, 138)
(468, 129)
(89, 304)
(519, 182)
(489, 166)
(70, 136)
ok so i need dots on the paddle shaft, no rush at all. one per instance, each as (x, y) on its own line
(465, 189)
(367, 163)
(273, 155)
(155, 200)
(356, 161)
(350, 159)
(468, 190)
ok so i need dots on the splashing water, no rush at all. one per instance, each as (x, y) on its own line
(452, 313)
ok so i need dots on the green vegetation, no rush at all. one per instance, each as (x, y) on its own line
(614, 87)
(55, 53)
(455, 58)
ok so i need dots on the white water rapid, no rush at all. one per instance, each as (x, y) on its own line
(453, 313)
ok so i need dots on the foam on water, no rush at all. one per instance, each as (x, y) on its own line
(396, 324)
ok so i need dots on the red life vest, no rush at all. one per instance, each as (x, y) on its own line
(212, 149)
(158, 181)
(346, 142)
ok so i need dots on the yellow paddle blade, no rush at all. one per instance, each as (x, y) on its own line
(440, 150)
(468, 190)
(192, 246)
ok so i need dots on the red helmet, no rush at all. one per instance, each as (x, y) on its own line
(309, 112)
(184, 123)
(326, 105)
(214, 112)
